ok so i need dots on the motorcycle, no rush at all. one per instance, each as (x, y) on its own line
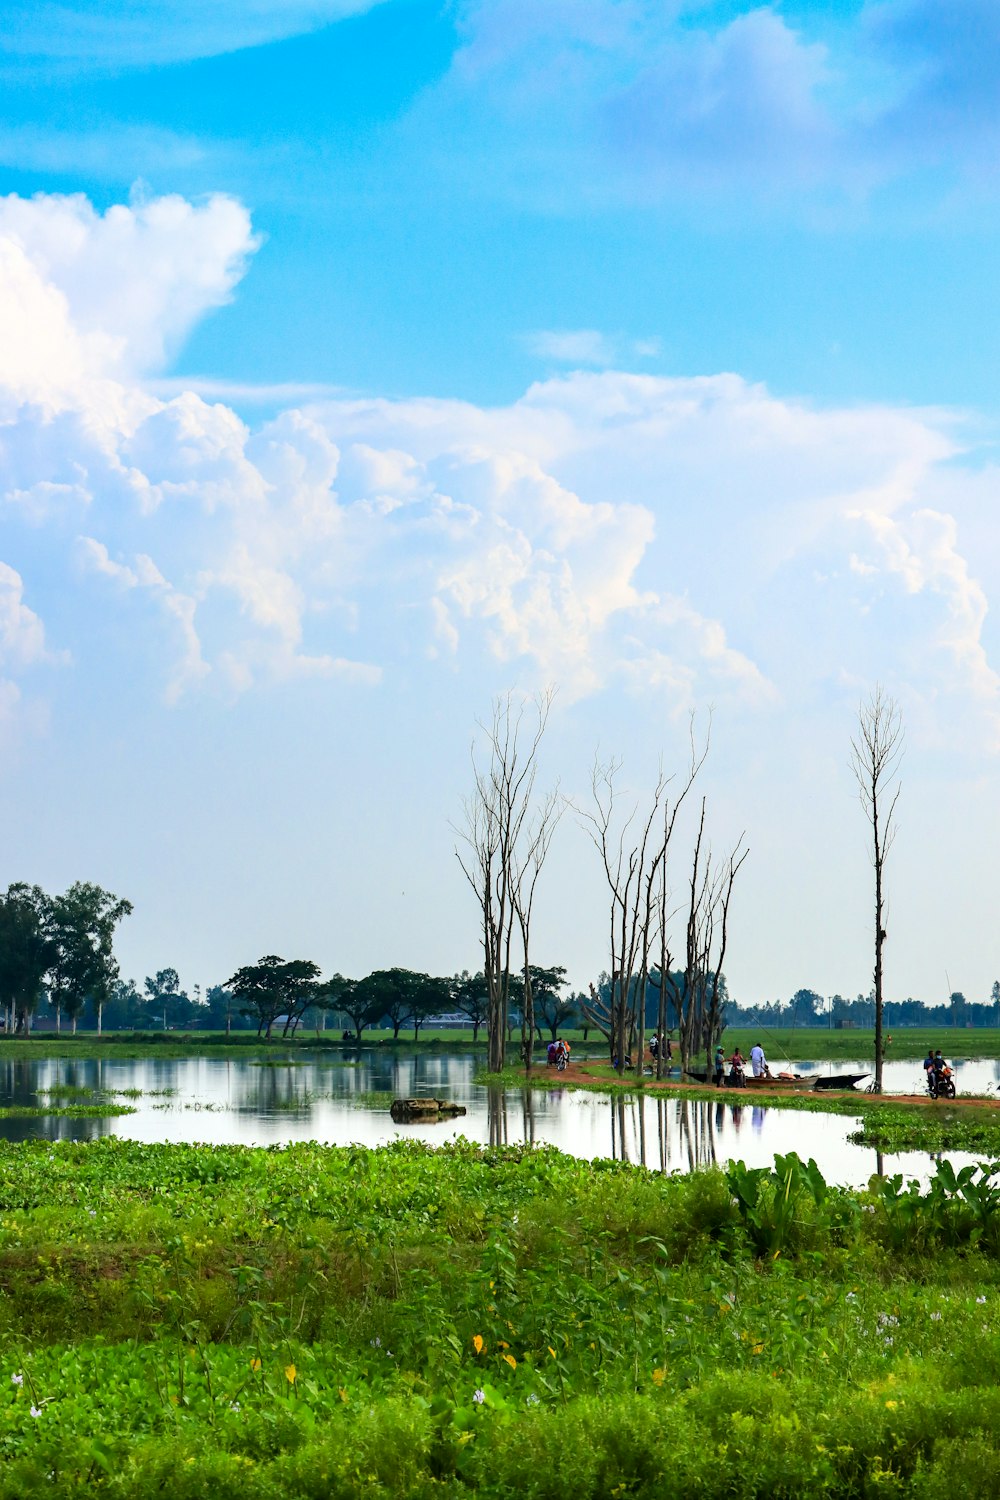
(941, 1083)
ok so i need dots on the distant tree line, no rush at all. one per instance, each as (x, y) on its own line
(807, 1008)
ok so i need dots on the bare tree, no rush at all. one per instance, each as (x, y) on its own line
(634, 858)
(876, 752)
(507, 838)
(698, 998)
(528, 867)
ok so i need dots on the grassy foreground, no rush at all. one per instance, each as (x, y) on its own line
(317, 1322)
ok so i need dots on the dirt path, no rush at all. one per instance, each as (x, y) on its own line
(582, 1074)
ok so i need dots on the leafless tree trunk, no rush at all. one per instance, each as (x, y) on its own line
(627, 871)
(523, 887)
(876, 751)
(505, 851)
(635, 868)
(697, 1001)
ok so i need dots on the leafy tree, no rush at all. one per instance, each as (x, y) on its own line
(806, 1006)
(81, 926)
(432, 997)
(219, 1008)
(393, 995)
(275, 987)
(165, 999)
(401, 996)
(125, 1007)
(470, 995)
(354, 1001)
(551, 1009)
(26, 952)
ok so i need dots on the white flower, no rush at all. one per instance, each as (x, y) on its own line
(980, 1299)
(375, 1343)
(935, 1317)
(234, 1406)
(532, 1399)
(479, 1397)
(17, 1380)
(36, 1411)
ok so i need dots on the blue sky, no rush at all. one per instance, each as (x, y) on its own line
(359, 361)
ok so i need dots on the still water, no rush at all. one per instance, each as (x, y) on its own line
(254, 1103)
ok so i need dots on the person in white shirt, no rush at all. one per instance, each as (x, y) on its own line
(758, 1061)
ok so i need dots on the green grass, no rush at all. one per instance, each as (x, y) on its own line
(68, 1111)
(908, 1043)
(799, 1044)
(317, 1322)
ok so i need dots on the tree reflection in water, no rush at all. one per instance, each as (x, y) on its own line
(697, 1122)
(496, 1116)
(528, 1116)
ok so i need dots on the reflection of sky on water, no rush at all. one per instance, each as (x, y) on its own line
(972, 1075)
(220, 1101)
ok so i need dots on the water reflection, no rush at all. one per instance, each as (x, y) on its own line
(327, 1099)
(496, 1116)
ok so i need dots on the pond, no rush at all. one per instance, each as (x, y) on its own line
(344, 1099)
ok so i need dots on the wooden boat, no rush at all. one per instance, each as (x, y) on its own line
(779, 1081)
(792, 1081)
(839, 1081)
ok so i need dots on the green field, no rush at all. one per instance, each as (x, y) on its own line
(317, 1322)
(801, 1045)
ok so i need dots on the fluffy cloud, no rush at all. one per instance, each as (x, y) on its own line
(114, 294)
(695, 539)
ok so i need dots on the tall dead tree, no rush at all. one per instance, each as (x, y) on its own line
(634, 859)
(506, 837)
(697, 999)
(876, 751)
(528, 867)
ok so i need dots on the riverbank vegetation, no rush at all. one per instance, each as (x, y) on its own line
(321, 1321)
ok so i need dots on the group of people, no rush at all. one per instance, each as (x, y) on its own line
(654, 1048)
(737, 1066)
(557, 1055)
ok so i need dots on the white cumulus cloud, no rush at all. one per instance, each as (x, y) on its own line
(695, 539)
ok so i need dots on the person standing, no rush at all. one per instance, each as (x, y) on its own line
(720, 1066)
(758, 1061)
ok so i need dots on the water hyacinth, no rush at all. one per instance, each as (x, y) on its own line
(631, 1295)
